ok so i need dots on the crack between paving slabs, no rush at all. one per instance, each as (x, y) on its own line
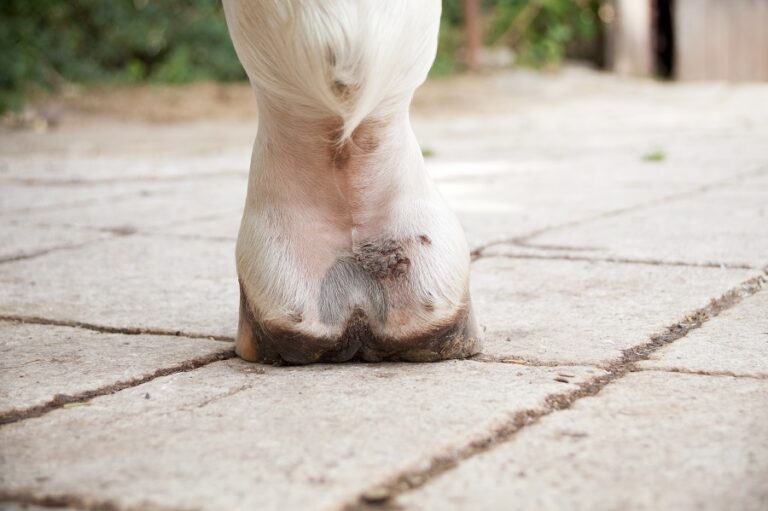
(623, 260)
(681, 370)
(522, 239)
(37, 181)
(383, 494)
(29, 498)
(69, 205)
(379, 496)
(122, 231)
(60, 400)
(46, 251)
(531, 362)
(37, 320)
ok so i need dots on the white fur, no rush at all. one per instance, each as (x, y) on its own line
(297, 50)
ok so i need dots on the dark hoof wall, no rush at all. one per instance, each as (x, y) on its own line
(258, 342)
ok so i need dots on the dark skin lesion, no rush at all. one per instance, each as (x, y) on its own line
(383, 258)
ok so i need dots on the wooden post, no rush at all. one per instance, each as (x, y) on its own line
(632, 44)
(472, 33)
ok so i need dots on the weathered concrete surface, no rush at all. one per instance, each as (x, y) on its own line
(37, 362)
(235, 435)
(736, 343)
(132, 281)
(222, 227)
(12, 506)
(18, 199)
(607, 195)
(583, 311)
(717, 226)
(503, 200)
(153, 206)
(17, 241)
(514, 116)
(649, 441)
(108, 152)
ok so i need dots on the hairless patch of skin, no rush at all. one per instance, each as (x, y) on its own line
(345, 282)
(356, 278)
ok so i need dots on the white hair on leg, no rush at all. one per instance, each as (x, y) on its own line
(349, 58)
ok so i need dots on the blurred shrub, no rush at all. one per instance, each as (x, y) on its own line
(46, 42)
(540, 32)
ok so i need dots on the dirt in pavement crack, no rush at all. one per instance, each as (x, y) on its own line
(524, 238)
(60, 400)
(37, 320)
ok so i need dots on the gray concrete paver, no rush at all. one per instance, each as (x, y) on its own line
(37, 362)
(582, 311)
(725, 225)
(153, 206)
(129, 282)
(736, 343)
(562, 157)
(256, 437)
(649, 441)
(20, 241)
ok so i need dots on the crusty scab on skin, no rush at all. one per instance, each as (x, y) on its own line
(383, 258)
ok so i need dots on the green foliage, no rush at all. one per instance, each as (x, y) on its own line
(540, 30)
(448, 45)
(46, 42)
(655, 156)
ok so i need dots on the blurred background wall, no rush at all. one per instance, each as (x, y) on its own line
(690, 39)
(48, 43)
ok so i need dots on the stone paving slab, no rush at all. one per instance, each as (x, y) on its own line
(110, 151)
(17, 200)
(153, 206)
(108, 168)
(222, 227)
(568, 157)
(12, 506)
(736, 343)
(129, 282)
(718, 226)
(649, 441)
(37, 362)
(20, 241)
(725, 150)
(583, 311)
(234, 435)
(506, 199)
